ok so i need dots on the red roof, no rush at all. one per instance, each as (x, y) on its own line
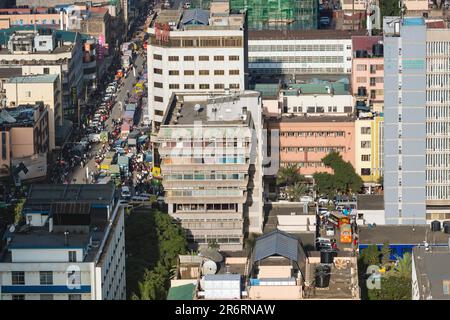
(365, 42)
(436, 25)
(100, 10)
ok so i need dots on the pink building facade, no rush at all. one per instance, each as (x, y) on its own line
(304, 141)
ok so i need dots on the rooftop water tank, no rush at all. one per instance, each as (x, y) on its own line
(435, 226)
(326, 256)
(377, 50)
(361, 53)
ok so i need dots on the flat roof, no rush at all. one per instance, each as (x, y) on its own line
(302, 34)
(401, 234)
(289, 118)
(432, 268)
(47, 78)
(370, 202)
(46, 194)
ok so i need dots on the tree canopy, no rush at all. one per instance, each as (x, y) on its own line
(289, 175)
(344, 179)
(153, 243)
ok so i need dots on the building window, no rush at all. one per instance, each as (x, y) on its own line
(348, 109)
(219, 58)
(234, 72)
(219, 86)
(365, 172)
(188, 58)
(46, 297)
(28, 94)
(446, 287)
(72, 256)
(203, 58)
(188, 72)
(365, 144)
(46, 277)
(157, 84)
(173, 58)
(203, 72)
(18, 278)
(174, 86)
(46, 70)
(157, 57)
(74, 296)
(234, 85)
(157, 71)
(18, 297)
(361, 67)
(174, 72)
(372, 81)
(204, 86)
(365, 157)
(159, 113)
(189, 86)
(365, 130)
(158, 99)
(219, 72)
(234, 58)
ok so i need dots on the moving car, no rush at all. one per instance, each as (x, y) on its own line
(125, 193)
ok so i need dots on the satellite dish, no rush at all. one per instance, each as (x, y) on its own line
(197, 108)
(209, 267)
(12, 229)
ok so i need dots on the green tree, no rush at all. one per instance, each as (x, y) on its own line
(385, 254)
(212, 244)
(389, 8)
(289, 175)
(18, 207)
(297, 190)
(392, 288)
(371, 255)
(403, 266)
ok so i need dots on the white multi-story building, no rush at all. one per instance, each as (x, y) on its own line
(211, 163)
(194, 50)
(438, 124)
(318, 99)
(72, 246)
(298, 52)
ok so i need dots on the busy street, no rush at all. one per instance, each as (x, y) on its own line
(112, 143)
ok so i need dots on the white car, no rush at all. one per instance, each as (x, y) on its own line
(323, 201)
(140, 198)
(306, 199)
(330, 231)
(125, 193)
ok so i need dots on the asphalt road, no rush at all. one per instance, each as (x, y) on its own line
(79, 174)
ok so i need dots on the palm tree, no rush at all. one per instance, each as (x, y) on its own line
(288, 176)
(404, 266)
(297, 190)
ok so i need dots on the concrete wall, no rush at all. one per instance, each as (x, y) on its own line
(275, 272)
(275, 292)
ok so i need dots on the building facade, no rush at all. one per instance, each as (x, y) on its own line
(35, 88)
(368, 72)
(298, 52)
(203, 51)
(72, 247)
(304, 141)
(369, 148)
(211, 163)
(404, 120)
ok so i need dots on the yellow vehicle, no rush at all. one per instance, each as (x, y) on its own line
(346, 233)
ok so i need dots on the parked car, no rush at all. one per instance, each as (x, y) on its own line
(323, 201)
(125, 192)
(306, 199)
(330, 231)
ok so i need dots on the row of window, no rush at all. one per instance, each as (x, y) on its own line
(220, 239)
(45, 277)
(305, 164)
(202, 42)
(263, 70)
(204, 176)
(233, 72)
(373, 80)
(438, 48)
(314, 134)
(347, 109)
(299, 47)
(225, 191)
(201, 86)
(296, 59)
(200, 58)
(373, 67)
(46, 297)
(209, 207)
(202, 225)
(312, 149)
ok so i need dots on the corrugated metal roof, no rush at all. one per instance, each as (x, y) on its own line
(276, 243)
(196, 17)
